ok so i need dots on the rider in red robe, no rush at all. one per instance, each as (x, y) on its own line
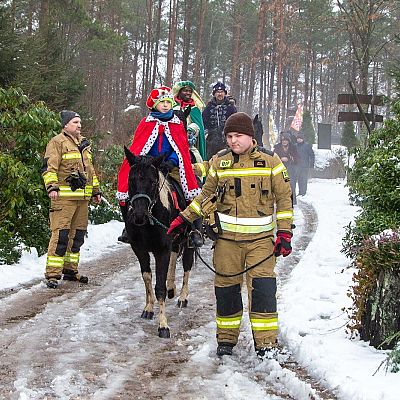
(161, 132)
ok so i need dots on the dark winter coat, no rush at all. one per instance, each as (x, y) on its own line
(215, 115)
(306, 156)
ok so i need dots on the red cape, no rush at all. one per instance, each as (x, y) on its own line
(143, 139)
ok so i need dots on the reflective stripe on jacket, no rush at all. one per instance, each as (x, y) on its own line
(253, 194)
(61, 159)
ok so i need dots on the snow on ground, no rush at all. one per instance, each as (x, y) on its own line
(312, 323)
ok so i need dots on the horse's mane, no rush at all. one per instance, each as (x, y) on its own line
(164, 190)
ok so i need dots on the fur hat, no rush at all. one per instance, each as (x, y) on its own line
(159, 94)
(285, 135)
(182, 84)
(239, 122)
(66, 116)
(219, 86)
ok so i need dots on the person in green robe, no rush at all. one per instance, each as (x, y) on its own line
(189, 107)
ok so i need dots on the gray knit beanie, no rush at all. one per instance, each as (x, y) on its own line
(66, 116)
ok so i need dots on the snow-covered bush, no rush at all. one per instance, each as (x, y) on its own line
(374, 186)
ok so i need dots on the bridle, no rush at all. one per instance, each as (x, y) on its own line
(151, 202)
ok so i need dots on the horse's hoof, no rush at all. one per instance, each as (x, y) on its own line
(171, 293)
(147, 314)
(182, 304)
(164, 333)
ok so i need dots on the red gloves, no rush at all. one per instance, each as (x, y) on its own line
(282, 244)
(176, 226)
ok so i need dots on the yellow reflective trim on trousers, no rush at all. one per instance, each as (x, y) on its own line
(195, 206)
(279, 168)
(229, 322)
(50, 177)
(90, 157)
(71, 156)
(244, 172)
(203, 170)
(212, 172)
(95, 181)
(55, 261)
(247, 228)
(284, 214)
(270, 324)
(72, 257)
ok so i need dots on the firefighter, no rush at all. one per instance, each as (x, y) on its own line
(70, 181)
(245, 183)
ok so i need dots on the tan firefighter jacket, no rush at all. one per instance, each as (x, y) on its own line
(63, 156)
(247, 187)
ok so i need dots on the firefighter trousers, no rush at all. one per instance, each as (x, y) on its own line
(68, 225)
(231, 257)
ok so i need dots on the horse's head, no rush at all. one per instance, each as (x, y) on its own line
(143, 186)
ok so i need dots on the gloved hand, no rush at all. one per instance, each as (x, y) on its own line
(76, 180)
(282, 244)
(177, 225)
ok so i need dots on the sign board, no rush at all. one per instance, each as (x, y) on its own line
(362, 98)
(356, 116)
(324, 136)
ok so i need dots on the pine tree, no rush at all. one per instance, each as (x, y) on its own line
(349, 138)
(307, 127)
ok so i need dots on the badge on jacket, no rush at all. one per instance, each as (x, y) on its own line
(285, 175)
(225, 164)
(259, 163)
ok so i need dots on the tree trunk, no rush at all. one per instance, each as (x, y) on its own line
(199, 44)
(256, 54)
(186, 39)
(173, 17)
(237, 28)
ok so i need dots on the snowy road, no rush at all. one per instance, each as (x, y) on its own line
(89, 342)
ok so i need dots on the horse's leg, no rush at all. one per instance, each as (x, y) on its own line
(144, 261)
(162, 261)
(171, 287)
(187, 261)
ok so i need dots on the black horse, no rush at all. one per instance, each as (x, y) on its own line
(215, 140)
(151, 208)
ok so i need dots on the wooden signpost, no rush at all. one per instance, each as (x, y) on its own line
(369, 118)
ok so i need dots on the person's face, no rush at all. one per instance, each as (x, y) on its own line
(239, 143)
(299, 139)
(185, 94)
(285, 142)
(74, 126)
(219, 95)
(164, 106)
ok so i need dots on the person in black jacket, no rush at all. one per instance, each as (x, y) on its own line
(287, 152)
(305, 161)
(217, 111)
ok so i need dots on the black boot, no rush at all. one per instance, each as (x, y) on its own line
(224, 349)
(52, 283)
(70, 275)
(267, 353)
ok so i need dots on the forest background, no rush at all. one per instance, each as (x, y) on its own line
(101, 56)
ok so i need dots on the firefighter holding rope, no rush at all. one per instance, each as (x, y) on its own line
(249, 189)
